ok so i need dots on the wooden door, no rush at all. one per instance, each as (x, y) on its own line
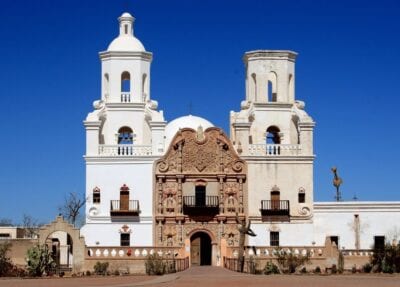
(275, 199)
(195, 251)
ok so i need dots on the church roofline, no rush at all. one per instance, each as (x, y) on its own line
(106, 55)
(270, 54)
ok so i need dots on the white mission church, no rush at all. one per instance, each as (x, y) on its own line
(186, 183)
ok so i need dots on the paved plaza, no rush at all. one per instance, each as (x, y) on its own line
(212, 277)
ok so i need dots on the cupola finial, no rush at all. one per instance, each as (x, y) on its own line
(126, 21)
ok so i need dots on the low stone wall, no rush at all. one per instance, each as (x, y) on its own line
(131, 266)
(19, 249)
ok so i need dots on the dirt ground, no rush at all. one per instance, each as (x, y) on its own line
(212, 277)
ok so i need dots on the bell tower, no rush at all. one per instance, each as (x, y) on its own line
(274, 134)
(270, 76)
(125, 67)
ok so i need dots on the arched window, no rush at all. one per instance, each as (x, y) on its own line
(96, 195)
(273, 136)
(125, 87)
(125, 135)
(106, 85)
(144, 87)
(271, 88)
(273, 141)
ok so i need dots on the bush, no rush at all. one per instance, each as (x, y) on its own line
(317, 270)
(354, 269)
(100, 268)
(39, 260)
(289, 262)
(88, 273)
(386, 259)
(6, 265)
(116, 273)
(367, 268)
(271, 268)
(334, 269)
(303, 270)
(155, 265)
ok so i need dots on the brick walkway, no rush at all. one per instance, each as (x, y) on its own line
(212, 277)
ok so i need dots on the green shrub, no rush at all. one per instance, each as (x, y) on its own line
(367, 268)
(39, 260)
(386, 259)
(100, 268)
(88, 273)
(303, 270)
(289, 262)
(155, 265)
(317, 270)
(271, 268)
(6, 265)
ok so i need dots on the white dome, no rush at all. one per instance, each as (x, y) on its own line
(184, 122)
(126, 44)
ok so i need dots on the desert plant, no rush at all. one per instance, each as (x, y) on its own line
(354, 269)
(386, 259)
(100, 268)
(39, 260)
(116, 273)
(5, 262)
(303, 270)
(88, 273)
(340, 262)
(289, 262)
(271, 268)
(155, 265)
(317, 270)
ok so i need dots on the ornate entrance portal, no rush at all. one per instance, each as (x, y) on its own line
(200, 249)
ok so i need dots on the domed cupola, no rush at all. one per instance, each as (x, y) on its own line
(126, 41)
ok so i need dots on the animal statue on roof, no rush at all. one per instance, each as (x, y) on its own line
(337, 181)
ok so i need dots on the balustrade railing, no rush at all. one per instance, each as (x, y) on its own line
(207, 201)
(125, 150)
(264, 252)
(125, 97)
(274, 149)
(134, 252)
(131, 208)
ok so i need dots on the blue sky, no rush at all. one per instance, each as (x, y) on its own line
(347, 72)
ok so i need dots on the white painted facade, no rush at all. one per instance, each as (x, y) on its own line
(126, 134)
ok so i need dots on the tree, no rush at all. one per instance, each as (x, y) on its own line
(5, 261)
(31, 226)
(72, 206)
(6, 222)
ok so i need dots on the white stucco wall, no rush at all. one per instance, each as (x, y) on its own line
(337, 219)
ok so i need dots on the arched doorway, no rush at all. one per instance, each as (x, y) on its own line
(200, 249)
(60, 245)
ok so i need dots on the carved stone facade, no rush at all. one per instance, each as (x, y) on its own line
(199, 159)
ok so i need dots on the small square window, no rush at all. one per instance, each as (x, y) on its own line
(302, 197)
(96, 197)
(125, 239)
(274, 238)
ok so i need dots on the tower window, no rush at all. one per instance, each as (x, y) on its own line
(125, 135)
(125, 82)
(274, 238)
(302, 196)
(125, 239)
(96, 195)
(126, 29)
(273, 136)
